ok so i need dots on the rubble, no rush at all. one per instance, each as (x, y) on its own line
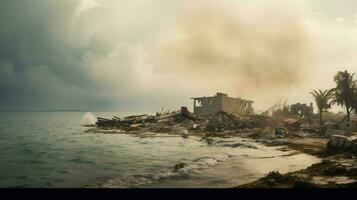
(221, 124)
(313, 128)
(343, 143)
(348, 126)
(292, 124)
(300, 111)
(221, 118)
(184, 123)
(281, 132)
(344, 129)
(267, 132)
(336, 141)
(330, 132)
(222, 121)
(180, 116)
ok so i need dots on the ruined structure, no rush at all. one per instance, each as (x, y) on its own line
(302, 110)
(221, 102)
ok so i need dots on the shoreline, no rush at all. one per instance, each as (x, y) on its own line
(337, 169)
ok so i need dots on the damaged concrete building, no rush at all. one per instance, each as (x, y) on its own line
(221, 102)
(302, 110)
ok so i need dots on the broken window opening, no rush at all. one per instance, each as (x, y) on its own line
(198, 103)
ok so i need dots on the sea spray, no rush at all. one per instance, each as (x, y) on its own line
(88, 119)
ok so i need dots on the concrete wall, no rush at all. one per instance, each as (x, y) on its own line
(208, 106)
(236, 106)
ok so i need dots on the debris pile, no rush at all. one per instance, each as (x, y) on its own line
(181, 116)
(225, 124)
(344, 128)
(222, 121)
(292, 124)
(340, 142)
(185, 122)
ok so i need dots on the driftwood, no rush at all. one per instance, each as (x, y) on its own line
(139, 120)
(103, 119)
(165, 116)
(136, 117)
(116, 118)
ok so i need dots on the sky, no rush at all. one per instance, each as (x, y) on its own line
(145, 55)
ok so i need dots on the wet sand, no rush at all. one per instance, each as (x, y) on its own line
(338, 169)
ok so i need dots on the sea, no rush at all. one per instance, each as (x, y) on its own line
(54, 150)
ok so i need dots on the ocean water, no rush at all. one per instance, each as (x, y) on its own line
(52, 149)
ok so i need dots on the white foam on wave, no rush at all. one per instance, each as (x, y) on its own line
(88, 119)
(143, 179)
(189, 169)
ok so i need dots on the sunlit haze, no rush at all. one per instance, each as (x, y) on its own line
(141, 55)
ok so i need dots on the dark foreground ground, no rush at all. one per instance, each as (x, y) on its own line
(337, 170)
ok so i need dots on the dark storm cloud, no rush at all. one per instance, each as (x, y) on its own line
(37, 66)
(29, 38)
(53, 56)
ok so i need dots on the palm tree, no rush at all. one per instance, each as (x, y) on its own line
(324, 100)
(345, 91)
(354, 101)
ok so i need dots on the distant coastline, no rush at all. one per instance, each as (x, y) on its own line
(45, 110)
(77, 110)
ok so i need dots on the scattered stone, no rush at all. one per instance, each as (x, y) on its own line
(330, 132)
(185, 133)
(179, 166)
(281, 132)
(292, 124)
(335, 170)
(343, 143)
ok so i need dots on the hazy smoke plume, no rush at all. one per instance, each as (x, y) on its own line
(144, 54)
(239, 49)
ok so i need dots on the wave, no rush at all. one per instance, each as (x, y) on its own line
(180, 171)
(88, 119)
(234, 144)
